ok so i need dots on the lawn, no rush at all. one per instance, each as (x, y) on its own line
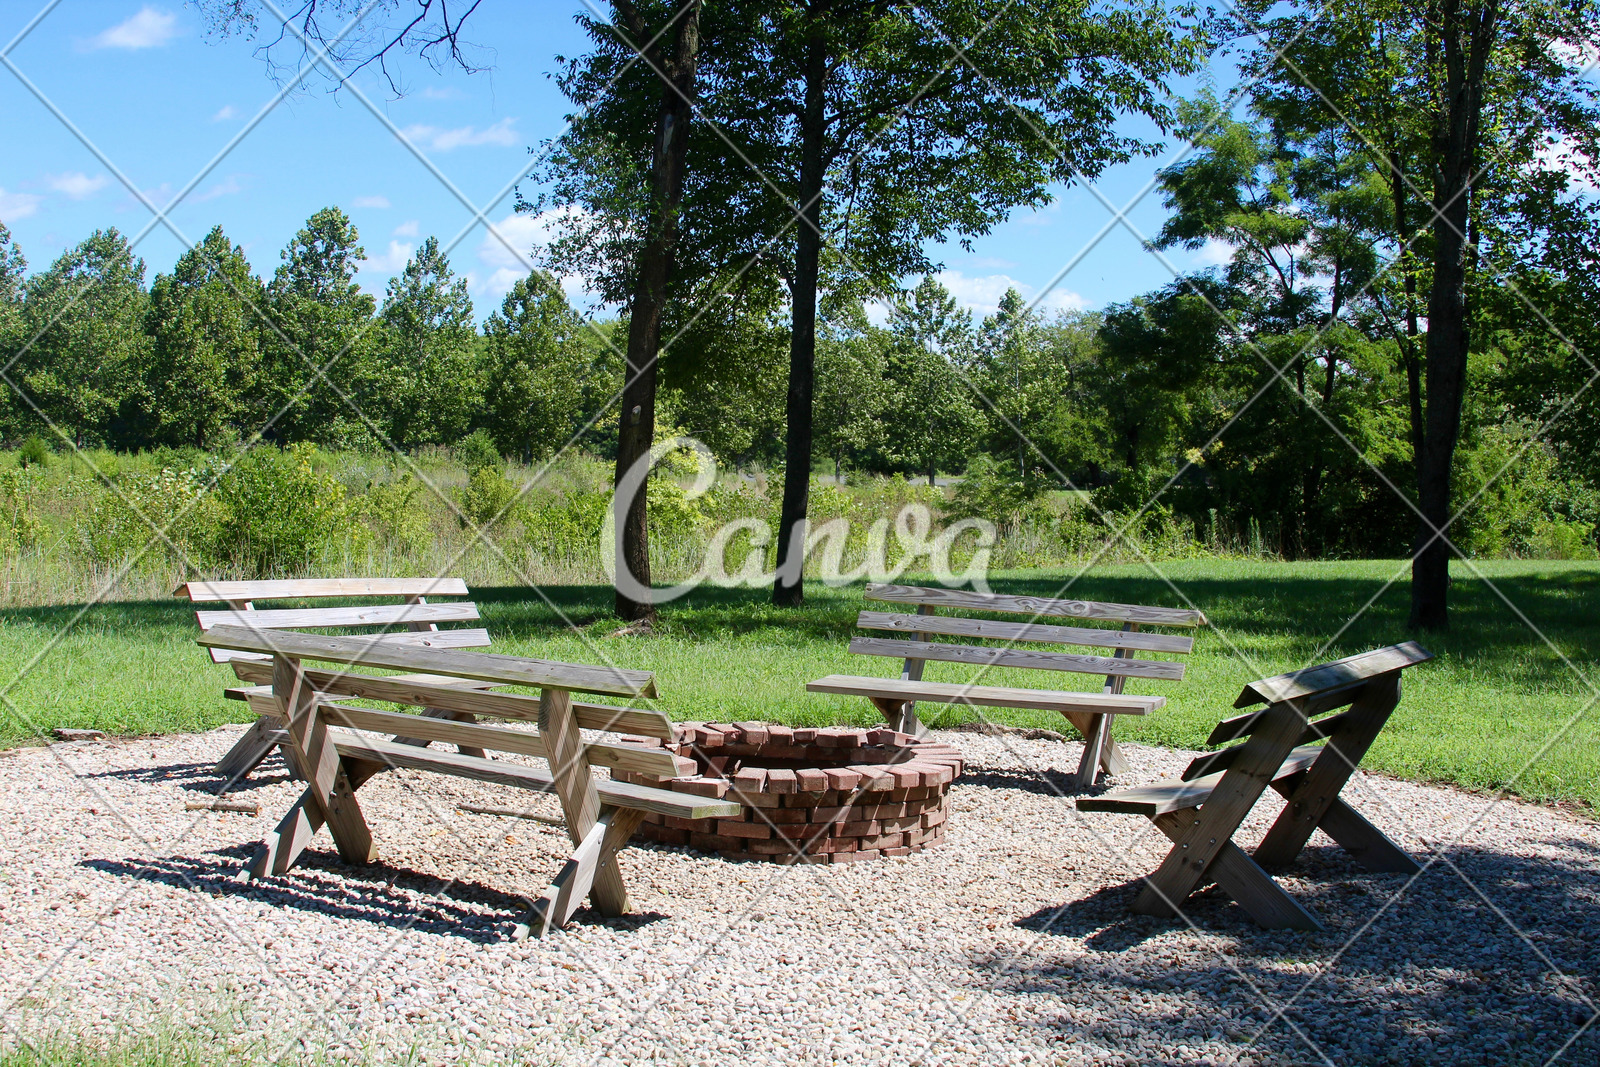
(1499, 709)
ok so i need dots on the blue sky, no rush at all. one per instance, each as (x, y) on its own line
(159, 95)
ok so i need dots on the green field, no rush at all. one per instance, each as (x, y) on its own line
(1499, 709)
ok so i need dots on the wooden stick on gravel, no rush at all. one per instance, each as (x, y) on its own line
(247, 807)
(515, 813)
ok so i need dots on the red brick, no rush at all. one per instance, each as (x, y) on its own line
(787, 816)
(883, 841)
(839, 844)
(842, 778)
(666, 836)
(905, 779)
(907, 822)
(810, 780)
(882, 735)
(754, 799)
(874, 780)
(714, 842)
(740, 828)
(804, 736)
(932, 818)
(703, 787)
(853, 857)
(792, 858)
(781, 735)
(781, 847)
(858, 829)
(938, 776)
(880, 811)
(653, 819)
(903, 850)
(705, 736)
(702, 825)
(781, 780)
(755, 733)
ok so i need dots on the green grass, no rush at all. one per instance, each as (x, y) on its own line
(1483, 715)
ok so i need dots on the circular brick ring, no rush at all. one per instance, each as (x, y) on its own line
(832, 795)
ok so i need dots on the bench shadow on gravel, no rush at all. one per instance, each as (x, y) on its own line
(380, 894)
(1437, 977)
(199, 777)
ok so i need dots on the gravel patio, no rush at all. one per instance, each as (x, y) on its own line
(1011, 943)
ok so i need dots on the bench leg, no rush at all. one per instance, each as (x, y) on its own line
(250, 749)
(1112, 761)
(901, 715)
(1367, 844)
(1263, 899)
(281, 849)
(1094, 743)
(582, 876)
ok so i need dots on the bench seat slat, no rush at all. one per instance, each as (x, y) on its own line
(456, 694)
(392, 655)
(461, 638)
(981, 656)
(294, 588)
(536, 779)
(1319, 730)
(1005, 630)
(1173, 794)
(989, 696)
(368, 615)
(656, 761)
(1029, 605)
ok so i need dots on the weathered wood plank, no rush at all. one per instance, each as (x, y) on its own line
(657, 761)
(314, 587)
(987, 696)
(1308, 706)
(1174, 794)
(1004, 630)
(369, 615)
(512, 670)
(1338, 673)
(534, 779)
(1212, 762)
(980, 656)
(251, 748)
(327, 787)
(458, 638)
(438, 691)
(1026, 605)
(1367, 844)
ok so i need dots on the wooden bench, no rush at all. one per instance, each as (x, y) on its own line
(334, 748)
(1090, 713)
(1201, 810)
(412, 621)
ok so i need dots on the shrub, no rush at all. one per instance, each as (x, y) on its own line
(567, 526)
(154, 517)
(34, 453)
(394, 515)
(19, 523)
(489, 498)
(994, 490)
(279, 513)
(478, 450)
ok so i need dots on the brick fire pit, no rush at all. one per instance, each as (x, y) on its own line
(832, 795)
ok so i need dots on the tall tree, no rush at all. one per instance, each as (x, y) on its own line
(645, 60)
(429, 381)
(538, 369)
(1460, 101)
(1016, 372)
(204, 325)
(13, 273)
(878, 128)
(320, 328)
(87, 313)
(934, 421)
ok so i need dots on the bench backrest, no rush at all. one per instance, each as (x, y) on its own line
(1117, 668)
(1306, 695)
(549, 676)
(412, 621)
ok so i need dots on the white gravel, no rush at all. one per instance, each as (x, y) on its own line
(1010, 944)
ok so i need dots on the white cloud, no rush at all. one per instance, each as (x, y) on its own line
(1214, 253)
(76, 184)
(226, 112)
(370, 201)
(392, 261)
(523, 234)
(1564, 156)
(443, 140)
(18, 205)
(227, 187)
(982, 293)
(148, 29)
(406, 229)
(448, 92)
(496, 285)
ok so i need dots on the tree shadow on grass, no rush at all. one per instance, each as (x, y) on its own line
(379, 894)
(1425, 972)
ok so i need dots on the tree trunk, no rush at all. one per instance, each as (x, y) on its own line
(789, 589)
(1466, 38)
(637, 420)
(1408, 355)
